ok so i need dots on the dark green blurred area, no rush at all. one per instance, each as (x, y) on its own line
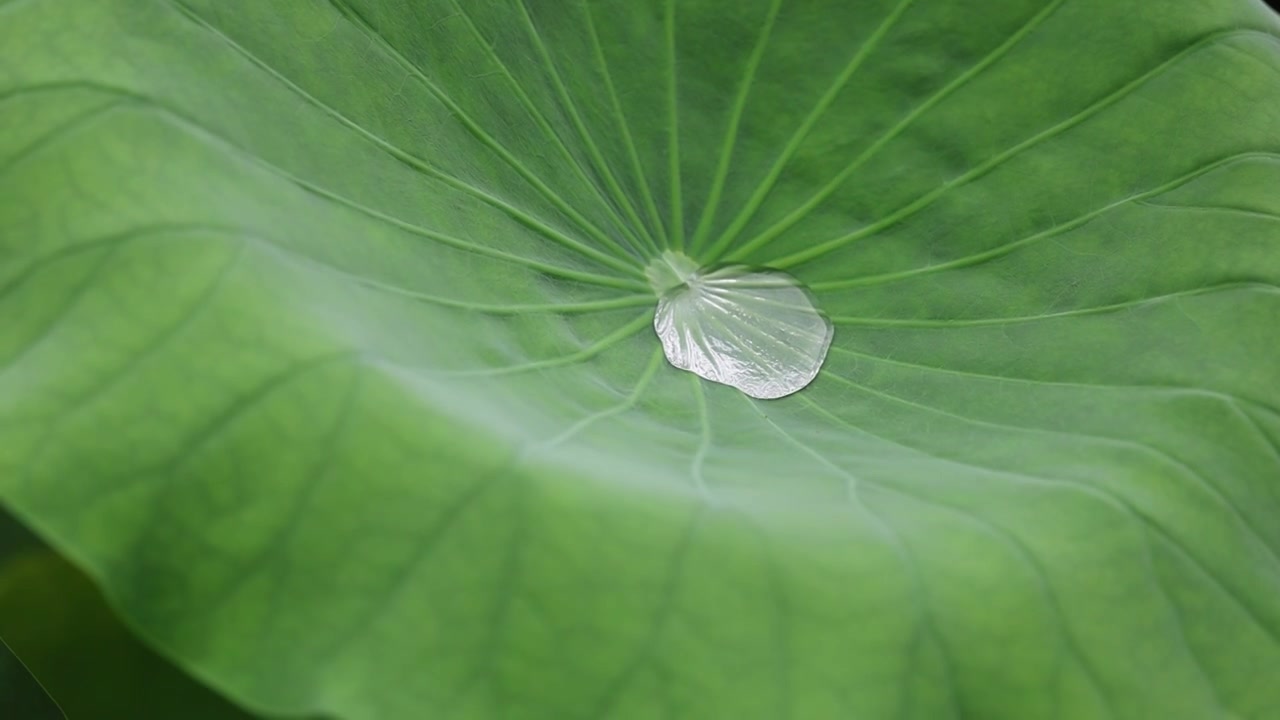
(21, 697)
(55, 621)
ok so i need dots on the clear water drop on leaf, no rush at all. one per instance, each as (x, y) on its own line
(756, 330)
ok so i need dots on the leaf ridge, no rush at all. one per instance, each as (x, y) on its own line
(1233, 286)
(1148, 521)
(615, 262)
(973, 71)
(806, 126)
(646, 247)
(673, 124)
(624, 127)
(824, 248)
(365, 27)
(1060, 228)
(709, 210)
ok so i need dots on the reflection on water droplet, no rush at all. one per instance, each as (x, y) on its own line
(757, 330)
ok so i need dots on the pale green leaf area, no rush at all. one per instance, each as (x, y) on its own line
(326, 350)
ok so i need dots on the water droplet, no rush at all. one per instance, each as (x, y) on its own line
(756, 330)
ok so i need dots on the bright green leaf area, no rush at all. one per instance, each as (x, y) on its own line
(326, 349)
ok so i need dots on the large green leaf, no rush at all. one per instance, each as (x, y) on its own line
(327, 351)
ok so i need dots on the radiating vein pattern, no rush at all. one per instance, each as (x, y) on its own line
(332, 347)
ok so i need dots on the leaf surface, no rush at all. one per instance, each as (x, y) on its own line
(327, 351)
